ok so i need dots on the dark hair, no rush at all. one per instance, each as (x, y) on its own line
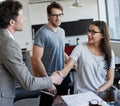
(53, 5)
(8, 10)
(105, 42)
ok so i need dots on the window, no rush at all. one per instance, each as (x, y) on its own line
(113, 18)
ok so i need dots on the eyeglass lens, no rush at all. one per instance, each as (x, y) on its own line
(93, 32)
(57, 15)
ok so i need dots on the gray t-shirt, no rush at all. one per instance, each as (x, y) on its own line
(53, 44)
(91, 72)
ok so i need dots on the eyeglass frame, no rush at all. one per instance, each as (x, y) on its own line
(57, 15)
(92, 32)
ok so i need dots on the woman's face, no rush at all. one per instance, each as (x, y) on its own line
(94, 34)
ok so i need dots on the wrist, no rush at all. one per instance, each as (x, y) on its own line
(61, 74)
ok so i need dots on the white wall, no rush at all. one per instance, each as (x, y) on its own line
(38, 13)
(24, 38)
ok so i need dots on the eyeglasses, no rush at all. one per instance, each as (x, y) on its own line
(92, 32)
(57, 15)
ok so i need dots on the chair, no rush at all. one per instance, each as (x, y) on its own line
(117, 75)
(72, 83)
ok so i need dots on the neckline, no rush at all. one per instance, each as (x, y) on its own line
(92, 52)
(97, 56)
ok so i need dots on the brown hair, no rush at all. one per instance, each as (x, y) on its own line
(105, 42)
(8, 10)
(53, 5)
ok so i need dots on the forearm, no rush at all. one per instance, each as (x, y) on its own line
(109, 82)
(68, 67)
(106, 86)
(66, 57)
(40, 68)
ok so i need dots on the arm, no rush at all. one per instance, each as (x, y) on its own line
(63, 73)
(109, 83)
(69, 65)
(15, 68)
(66, 57)
(37, 55)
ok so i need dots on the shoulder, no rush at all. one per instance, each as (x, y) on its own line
(42, 29)
(81, 45)
(10, 48)
(11, 45)
(41, 33)
(6, 40)
(61, 29)
(81, 48)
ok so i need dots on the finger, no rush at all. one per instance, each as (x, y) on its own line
(54, 73)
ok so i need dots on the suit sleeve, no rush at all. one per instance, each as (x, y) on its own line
(13, 61)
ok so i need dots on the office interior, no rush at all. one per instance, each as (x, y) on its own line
(35, 13)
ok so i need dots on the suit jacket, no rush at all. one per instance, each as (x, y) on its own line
(13, 68)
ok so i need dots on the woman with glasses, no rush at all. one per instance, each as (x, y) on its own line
(95, 60)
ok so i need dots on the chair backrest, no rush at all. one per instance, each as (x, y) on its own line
(26, 59)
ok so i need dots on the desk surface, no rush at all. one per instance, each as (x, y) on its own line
(108, 96)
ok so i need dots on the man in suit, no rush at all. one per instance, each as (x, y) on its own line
(12, 66)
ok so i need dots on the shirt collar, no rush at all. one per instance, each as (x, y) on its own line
(10, 34)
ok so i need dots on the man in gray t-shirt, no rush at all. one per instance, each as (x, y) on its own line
(53, 45)
(48, 49)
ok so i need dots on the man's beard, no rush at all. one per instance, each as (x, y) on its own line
(19, 29)
(55, 25)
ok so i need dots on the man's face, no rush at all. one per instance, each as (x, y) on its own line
(18, 26)
(55, 17)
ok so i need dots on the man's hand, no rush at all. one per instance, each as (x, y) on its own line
(52, 90)
(57, 78)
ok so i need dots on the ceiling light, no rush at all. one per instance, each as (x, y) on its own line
(77, 4)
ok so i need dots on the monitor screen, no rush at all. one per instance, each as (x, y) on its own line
(72, 28)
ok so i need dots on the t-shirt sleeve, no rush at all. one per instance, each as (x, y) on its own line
(40, 39)
(112, 66)
(76, 53)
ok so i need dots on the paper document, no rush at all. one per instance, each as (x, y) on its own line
(81, 99)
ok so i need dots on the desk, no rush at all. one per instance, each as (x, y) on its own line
(108, 96)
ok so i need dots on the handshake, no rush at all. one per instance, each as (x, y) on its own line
(57, 77)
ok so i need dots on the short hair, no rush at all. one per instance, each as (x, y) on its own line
(53, 5)
(8, 10)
